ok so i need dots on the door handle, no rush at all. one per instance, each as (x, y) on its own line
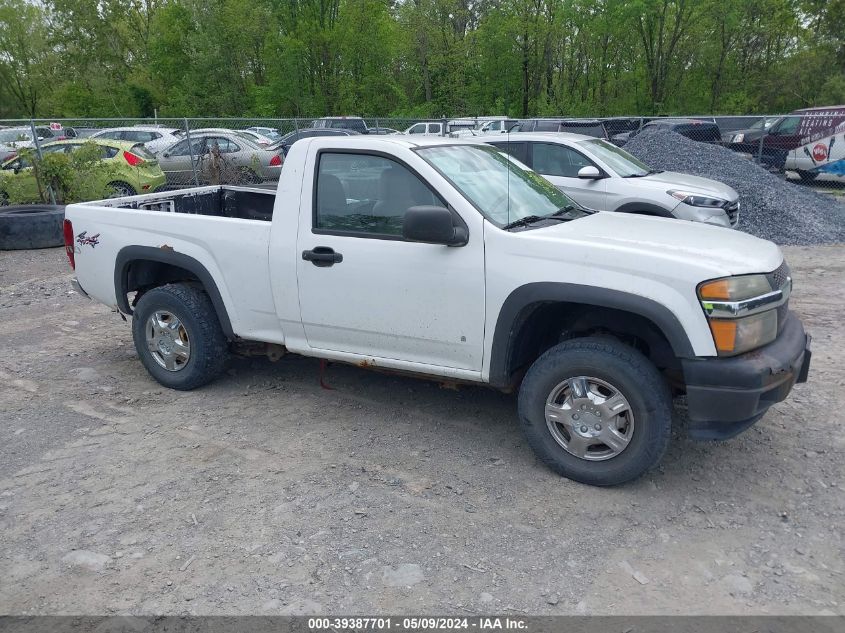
(322, 256)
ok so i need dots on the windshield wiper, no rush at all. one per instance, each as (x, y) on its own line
(650, 172)
(531, 219)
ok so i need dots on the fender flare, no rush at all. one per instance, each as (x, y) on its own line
(129, 254)
(522, 300)
(647, 207)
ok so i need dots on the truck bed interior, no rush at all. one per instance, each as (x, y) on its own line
(228, 202)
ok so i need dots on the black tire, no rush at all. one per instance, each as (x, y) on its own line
(208, 345)
(807, 176)
(120, 189)
(632, 374)
(31, 226)
(247, 176)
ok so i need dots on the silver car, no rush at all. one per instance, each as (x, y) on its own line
(155, 138)
(219, 157)
(601, 176)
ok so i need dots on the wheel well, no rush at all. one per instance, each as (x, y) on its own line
(644, 208)
(143, 275)
(540, 326)
(138, 271)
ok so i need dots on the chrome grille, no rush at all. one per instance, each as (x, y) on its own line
(777, 278)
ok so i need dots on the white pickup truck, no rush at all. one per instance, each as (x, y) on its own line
(448, 259)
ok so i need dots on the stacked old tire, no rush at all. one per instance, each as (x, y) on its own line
(31, 226)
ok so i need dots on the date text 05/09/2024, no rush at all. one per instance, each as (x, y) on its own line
(350, 624)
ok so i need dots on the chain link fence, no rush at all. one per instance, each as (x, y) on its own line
(172, 153)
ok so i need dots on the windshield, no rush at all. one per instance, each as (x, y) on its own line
(764, 123)
(12, 136)
(616, 158)
(502, 189)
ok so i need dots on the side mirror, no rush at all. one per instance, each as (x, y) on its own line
(589, 173)
(432, 225)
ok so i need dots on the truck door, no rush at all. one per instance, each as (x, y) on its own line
(780, 139)
(363, 289)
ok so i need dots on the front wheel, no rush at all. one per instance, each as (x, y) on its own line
(596, 411)
(807, 176)
(178, 336)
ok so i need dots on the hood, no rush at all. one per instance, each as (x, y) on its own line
(664, 245)
(751, 134)
(669, 180)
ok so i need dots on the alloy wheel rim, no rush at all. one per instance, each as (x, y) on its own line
(167, 340)
(589, 418)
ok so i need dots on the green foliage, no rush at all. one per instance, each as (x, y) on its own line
(74, 177)
(417, 57)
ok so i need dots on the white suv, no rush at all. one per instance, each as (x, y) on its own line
(601, 176)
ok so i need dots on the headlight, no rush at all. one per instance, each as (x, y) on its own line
(733, 288)
(696, 200)
(736, 336)
(741, 311)
(738, 138)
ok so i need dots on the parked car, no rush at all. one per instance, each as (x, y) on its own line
(354, 123)
(383, 130)
(435, 128)
(488, 125)
(805, 141)
(601, 176)
(270, 132)
(259, 139)
(219, 155)
(695, 129)
(12, 139)
(290, 138)
(21, 136)
(154, 137)
(747, 140)
(133, 169)
(444, 258)
(605, 128)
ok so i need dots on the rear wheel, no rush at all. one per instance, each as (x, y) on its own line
(247, 176)
(807, 176)
(596, 411)
(178, 336)
(121, 189)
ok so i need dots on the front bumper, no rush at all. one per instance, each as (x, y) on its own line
(728, 395)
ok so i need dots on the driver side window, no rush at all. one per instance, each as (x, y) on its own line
(366, 194)
(557, 160)
(182, 148)
(789, 125)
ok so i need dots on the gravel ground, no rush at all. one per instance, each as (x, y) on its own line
(772, 207)
(265, 494)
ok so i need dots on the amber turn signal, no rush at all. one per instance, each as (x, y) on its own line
(715, 290)
(724, 335)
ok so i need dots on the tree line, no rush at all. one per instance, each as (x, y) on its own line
(418, 58)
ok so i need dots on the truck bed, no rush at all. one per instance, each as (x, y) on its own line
(245, 203)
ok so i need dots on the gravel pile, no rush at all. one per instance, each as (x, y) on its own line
(772, 208)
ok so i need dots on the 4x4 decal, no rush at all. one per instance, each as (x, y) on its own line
(83, 240)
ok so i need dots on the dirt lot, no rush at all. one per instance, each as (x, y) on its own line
(264, 493)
